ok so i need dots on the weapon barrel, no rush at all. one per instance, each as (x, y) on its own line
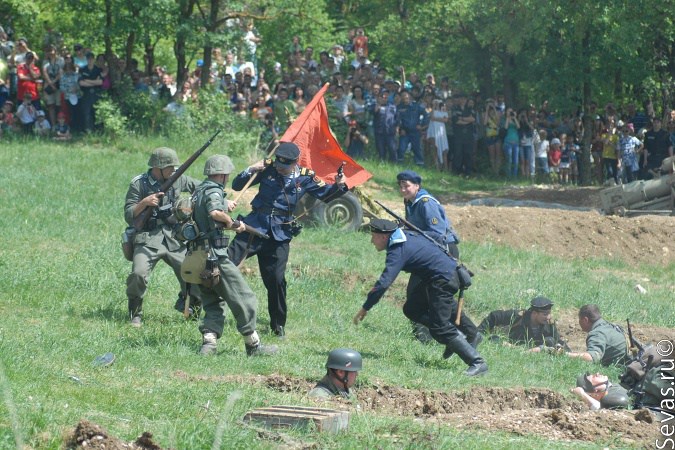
(141, 219)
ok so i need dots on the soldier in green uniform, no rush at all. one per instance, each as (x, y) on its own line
(596, 391)
(156, 241)
(210, 216)
(342, 368)
(605, 343)
(531, 327)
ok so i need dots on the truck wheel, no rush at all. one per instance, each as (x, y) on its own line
(344, 212)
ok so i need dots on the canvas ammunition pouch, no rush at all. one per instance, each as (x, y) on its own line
(128, 237)
(210, 276)
(219, 240)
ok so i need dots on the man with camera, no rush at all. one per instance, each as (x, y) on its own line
(355, 141)
(282, 185)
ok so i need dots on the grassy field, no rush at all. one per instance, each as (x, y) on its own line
(63, 303)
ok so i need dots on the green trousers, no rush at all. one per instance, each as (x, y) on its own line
(233, 290)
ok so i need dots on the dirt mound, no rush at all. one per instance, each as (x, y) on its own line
(87, 435)
(522, 411)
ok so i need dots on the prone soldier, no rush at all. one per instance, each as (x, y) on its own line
(605, 343)
(531, 327)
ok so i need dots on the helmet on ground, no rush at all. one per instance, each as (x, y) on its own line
(344, 359)
(163, 157)
(217, 165)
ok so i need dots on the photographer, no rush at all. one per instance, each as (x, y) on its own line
(355, 141)
(511, 142)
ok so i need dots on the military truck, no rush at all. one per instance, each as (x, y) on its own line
(655, 196)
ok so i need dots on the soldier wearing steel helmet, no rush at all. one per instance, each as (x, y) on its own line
(342, 368)
(211, 216)
(156, 241)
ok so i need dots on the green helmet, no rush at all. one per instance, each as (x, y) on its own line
(344, 359)
(217, 165)
(163, 157)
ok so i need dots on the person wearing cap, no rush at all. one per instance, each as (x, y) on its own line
(342, 368)
(411, 118)
(554, 157)
(606, 343)
(532, 327)
(61, 128)
(427, 214)
(282, 184)
(432, 302)
(42, 126)
(210, 213)
(91, 79)
(156, 241)
(597, 392)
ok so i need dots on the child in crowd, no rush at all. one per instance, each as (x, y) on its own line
(26, 113)
(554, 155)
(42, 126)
(7, 118)
(541, 156)
(568, 160)
(61, 129)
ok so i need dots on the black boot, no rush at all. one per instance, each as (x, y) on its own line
(477, 340)
(449, 351)
(421, 333)
(468, 354)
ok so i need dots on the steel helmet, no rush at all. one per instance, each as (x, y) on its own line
(163, 157)
(344, 359)
(217, 165)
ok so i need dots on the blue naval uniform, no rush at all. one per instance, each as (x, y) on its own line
(431, 303)
(408, 117)
(427, 214)
(272, 214)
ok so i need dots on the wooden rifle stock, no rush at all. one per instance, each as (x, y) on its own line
(141, 219)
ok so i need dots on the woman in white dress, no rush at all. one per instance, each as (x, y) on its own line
(436, 132)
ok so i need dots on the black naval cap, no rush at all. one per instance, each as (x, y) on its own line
(287, 153)
(409, 175)
(382, 226)
(541, 304)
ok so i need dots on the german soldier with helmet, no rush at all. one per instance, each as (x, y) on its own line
(224, 284)
(342, 368)
(156, 241)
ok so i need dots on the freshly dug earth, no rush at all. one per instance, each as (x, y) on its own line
(87, 435)
(522, 411)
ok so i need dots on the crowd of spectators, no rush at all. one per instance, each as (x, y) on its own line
(377, 112)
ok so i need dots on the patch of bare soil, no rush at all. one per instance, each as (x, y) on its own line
(87, 435)
(521, 411)
(566, 233)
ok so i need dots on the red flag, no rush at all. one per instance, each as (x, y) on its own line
(319, 150)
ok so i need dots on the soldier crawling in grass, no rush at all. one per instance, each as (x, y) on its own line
(156, 241)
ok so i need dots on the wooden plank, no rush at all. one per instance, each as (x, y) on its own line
(286, 416)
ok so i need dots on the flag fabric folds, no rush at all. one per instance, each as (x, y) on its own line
(319, 149)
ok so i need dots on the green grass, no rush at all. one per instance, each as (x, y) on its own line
(62, 303)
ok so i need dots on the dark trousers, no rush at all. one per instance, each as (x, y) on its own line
(412, 138)
(87, 112)
(386, 146)
(272, 258)
(463, 158)
(432, 304)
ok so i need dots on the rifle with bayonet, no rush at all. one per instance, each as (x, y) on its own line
(141, 219)
(463, 274)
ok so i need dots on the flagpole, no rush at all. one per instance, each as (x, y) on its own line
(274, 144)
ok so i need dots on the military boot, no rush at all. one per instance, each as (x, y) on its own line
(135, 311)
(422, 333)
(261, 350)
(468, 354)
(209, 343)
